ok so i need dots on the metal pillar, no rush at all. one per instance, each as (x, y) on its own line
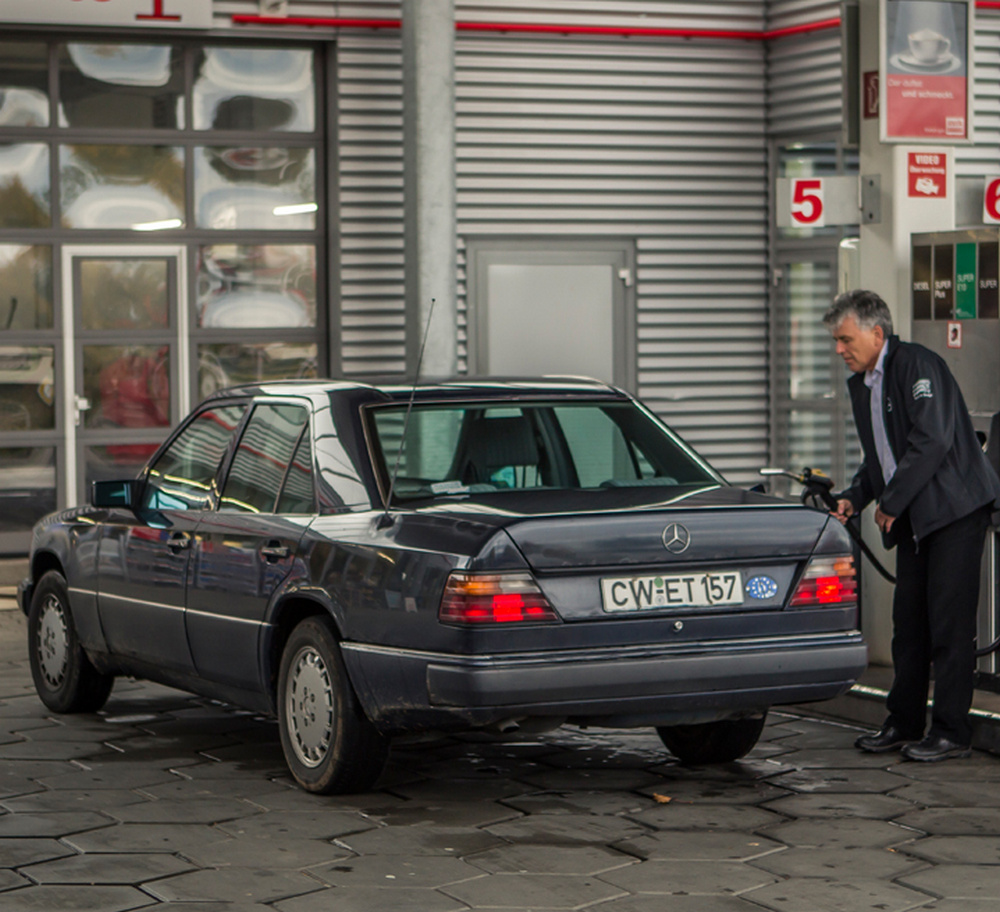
(429, 182)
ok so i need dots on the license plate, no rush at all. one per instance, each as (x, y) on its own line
(686, 590)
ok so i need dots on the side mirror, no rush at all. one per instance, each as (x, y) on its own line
(119, 494)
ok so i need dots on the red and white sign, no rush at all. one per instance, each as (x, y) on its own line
(927, 175)
(808, 210)
(133, 13)
(869, 84)
(954, 334)
(991, 202)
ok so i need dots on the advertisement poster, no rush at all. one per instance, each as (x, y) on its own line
(926, 67)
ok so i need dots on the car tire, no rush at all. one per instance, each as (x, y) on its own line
(330, 745)
(713, 742)
(65, 678)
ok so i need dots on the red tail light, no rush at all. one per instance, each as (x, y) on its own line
(827, 582)
(497, 598)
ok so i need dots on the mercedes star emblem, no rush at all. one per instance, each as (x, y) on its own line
(676, 538)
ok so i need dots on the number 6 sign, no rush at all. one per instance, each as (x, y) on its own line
(807, 203)
(991, 202)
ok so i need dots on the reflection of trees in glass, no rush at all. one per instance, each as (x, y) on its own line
(88, 166)
(20, 208)
(25, 287)
(123, 294)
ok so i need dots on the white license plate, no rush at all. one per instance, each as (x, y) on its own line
(685, 590)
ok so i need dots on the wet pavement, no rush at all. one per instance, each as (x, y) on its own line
(169, 802)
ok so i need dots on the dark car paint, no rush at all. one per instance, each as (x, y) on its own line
(380, 574)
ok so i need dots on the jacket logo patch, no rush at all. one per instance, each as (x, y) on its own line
(922, 389)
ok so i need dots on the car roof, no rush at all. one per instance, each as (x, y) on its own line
(454, 388)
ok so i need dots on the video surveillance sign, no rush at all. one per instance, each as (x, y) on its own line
(926, 70)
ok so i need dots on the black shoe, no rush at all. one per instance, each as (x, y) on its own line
(934, 748)
(889, 738)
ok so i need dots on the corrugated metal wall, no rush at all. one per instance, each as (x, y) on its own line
(657, 141)
(982, 158)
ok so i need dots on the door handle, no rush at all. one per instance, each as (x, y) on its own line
(179, 541)
(274, 551)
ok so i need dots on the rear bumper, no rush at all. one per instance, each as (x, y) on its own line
(618, 687)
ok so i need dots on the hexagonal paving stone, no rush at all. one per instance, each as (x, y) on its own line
(848, 758)
(566, 829)
(954, 821)
(133, 837)
(949, 794)
(980, 767)
(692, 878)
(263, 852)
(197, 810)
(651, 902)
(565, 780)
(17, 852)
(460, 789)
(53, 823)
(122, 868)
(715, 791)
(550, 859)
(957, 881)
(698, 846)
(75, 898)
(370, 899)
(97, 775)
(959, 905)
(80, 799)
(686, 815)
(836, 896)
(832, 781)
(52, 750)
(444, 813)
(415, 840)
(9, 880)
(974, 850)
(241, 884)
(532, 891)
(579, 802)
(396, 872)
(316, 824)
(869, 863)
(874, 807)
(843, 833)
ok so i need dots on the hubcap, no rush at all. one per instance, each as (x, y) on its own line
(53, 651)
(309, 707)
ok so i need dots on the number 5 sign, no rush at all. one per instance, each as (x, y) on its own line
(808, 210)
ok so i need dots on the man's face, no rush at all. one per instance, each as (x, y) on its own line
(858, 347)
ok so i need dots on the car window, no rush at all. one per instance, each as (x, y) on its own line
(262, 458)
(297, 493)
(182, 476)
(478, 449)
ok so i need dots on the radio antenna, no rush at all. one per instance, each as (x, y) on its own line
(384, 519)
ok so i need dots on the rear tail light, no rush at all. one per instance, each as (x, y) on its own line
(827, 582)
(497, 598)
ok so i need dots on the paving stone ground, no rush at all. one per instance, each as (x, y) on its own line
(171, 803)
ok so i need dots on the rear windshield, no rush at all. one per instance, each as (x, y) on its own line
(481, 449)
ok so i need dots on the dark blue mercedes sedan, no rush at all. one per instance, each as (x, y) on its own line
(364, 561)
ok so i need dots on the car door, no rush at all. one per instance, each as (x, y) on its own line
(246, 546)
(145, 552)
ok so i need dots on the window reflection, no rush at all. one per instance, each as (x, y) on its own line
(27, 388)
(27, 486)
(255, 187)
(246, 285)
(229, 364)
(128, 386)
(810, 290)
(121, 186)
(254, 89)
(115, 461)
(123, 294)
(123, 86)
(25, 287)
(24, 84)
(24, 185)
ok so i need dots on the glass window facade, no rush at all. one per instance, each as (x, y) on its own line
(137, 181)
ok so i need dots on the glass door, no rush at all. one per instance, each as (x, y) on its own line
(126, 371)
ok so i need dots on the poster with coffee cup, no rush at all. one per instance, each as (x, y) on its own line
(926, 70)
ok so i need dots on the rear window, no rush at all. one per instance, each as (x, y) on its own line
(480, 449)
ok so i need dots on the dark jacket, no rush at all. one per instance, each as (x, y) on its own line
(941, 471)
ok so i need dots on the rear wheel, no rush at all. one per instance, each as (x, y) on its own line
(713, 742)
(330, 745)
(64, 677)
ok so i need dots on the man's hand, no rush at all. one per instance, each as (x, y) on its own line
(845, 510)
(883, 520)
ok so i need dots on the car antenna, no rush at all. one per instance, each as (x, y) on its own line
(384, 519)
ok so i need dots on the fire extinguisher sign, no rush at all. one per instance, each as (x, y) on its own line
(808, 209)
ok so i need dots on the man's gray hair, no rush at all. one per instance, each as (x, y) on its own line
(867, 308)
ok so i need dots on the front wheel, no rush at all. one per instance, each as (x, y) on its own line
(330, 746)
(64, 677)
(713, 742)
